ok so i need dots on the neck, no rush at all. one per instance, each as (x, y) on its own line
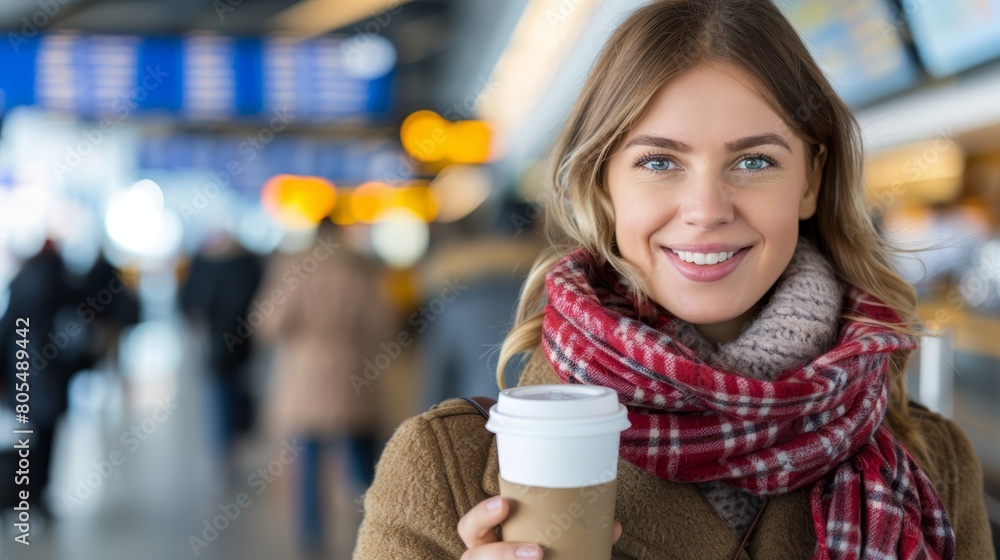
(717, 333)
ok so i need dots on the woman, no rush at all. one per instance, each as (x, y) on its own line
(714, 263)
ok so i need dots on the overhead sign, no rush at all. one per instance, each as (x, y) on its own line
(200, 77)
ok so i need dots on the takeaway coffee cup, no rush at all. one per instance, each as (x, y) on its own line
(558, 451)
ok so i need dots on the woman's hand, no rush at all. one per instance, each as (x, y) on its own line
(476, 531)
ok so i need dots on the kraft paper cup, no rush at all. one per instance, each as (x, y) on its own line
(558, 454)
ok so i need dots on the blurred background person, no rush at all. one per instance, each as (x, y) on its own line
(104, 323)
(41, 295)
(484, 264)
(217, 292)
(325, 311)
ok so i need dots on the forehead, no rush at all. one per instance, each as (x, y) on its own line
(708, 106)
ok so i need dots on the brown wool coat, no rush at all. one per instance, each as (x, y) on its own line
(441, 463)
(325, 323)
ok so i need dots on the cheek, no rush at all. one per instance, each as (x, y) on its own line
(637, 217)
(773, 216)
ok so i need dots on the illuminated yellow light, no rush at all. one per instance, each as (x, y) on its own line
(424, 135)
(342, 214)
(369, 200)
(416, 199)
(468, 142)
(298, 201)
(429, 138)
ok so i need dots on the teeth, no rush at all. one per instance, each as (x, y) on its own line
(704, 258)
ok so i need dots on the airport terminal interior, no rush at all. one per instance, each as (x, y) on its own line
(213, 210)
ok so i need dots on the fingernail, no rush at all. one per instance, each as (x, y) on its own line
(528, 551)
(493, 504)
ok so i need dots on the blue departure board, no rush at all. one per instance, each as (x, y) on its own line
(200, 77)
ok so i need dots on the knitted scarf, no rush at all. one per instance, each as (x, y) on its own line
(797, 322)
(817, 425)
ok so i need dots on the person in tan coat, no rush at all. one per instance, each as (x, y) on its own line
(713, 262)
(324, 310)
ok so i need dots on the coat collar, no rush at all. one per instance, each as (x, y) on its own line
(684, 518)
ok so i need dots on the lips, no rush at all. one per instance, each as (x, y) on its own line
(706, 253)
(707, 247)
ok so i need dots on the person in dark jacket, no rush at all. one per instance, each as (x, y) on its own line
(41, 309)
(217, 292)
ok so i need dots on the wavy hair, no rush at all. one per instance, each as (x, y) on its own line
(657, 43)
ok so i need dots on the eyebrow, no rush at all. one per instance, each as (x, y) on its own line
(734, 146)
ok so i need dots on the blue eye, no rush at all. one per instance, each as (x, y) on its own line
(657, 164)
(754, 163)
(751, 163)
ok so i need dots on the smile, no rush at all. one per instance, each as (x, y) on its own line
(710, 264)
(703, 258)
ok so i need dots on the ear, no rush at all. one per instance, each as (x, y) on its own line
(807, 206)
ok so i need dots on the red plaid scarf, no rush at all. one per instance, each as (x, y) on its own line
(818, 425)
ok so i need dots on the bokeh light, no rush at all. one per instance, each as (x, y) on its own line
(400, 238)
(298, 201)
(368, 201)
(137, 223)
(416, 199)
(424, 136)
(24, 214)
(429, 138)
(468, 142)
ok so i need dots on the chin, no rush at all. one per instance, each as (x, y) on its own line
(691, 312)
(705, 318)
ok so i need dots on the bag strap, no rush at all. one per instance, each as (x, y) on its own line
(482, 404)
(746, 538)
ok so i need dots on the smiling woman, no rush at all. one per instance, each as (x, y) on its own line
(714, 263)
(708, 199)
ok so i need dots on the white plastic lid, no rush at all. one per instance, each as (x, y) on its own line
(558, 410)
(557, 401)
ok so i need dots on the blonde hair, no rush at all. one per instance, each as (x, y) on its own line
(652, 46)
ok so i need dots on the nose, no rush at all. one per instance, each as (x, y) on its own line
(706, 205)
